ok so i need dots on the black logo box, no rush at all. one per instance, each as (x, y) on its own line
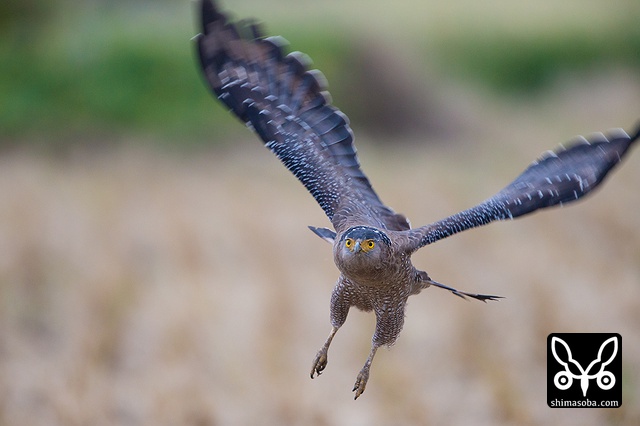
(591, 375)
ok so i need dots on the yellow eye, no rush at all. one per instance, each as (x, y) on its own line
(348, 243)
(368, 245)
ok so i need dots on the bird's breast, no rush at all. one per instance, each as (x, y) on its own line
(371, 272)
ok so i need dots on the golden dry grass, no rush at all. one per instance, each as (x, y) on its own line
(141, 288)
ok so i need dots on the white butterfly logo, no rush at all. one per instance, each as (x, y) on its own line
(564, 379)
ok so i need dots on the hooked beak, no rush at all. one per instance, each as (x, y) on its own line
(356, 247)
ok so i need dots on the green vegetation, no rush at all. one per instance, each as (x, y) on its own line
(102, 78)
(114, 69)
(507, 63)
(118, 75)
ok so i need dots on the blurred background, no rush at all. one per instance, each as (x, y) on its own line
(155, 266)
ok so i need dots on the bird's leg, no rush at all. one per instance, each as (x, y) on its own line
(339, 309)
(363, 376)
(320, 362)
(424, 278)
(464, 294)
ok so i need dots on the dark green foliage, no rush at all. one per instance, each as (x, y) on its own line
(511, 64)
(71, 73)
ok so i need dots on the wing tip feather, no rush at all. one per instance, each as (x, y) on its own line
(210, 14)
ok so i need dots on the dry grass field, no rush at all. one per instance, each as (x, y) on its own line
(139, 287)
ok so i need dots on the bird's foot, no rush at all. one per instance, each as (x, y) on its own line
(361, 382)
(319, 363)
(462, 294)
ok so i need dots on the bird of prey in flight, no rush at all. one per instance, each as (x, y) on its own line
(287, 105)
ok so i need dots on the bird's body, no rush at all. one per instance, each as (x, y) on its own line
(379, 279)
(287, 106)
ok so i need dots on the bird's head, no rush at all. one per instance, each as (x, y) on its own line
(361, 247)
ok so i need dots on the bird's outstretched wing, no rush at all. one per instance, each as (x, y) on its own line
(556, 178)
(288, 107)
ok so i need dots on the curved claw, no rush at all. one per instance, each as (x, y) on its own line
(361, 382)
(319, 363)
(462, 294)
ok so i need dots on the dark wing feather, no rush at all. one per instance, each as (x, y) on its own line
(556, 178)
(287, 106)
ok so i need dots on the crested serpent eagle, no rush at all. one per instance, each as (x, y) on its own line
(286, 104)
